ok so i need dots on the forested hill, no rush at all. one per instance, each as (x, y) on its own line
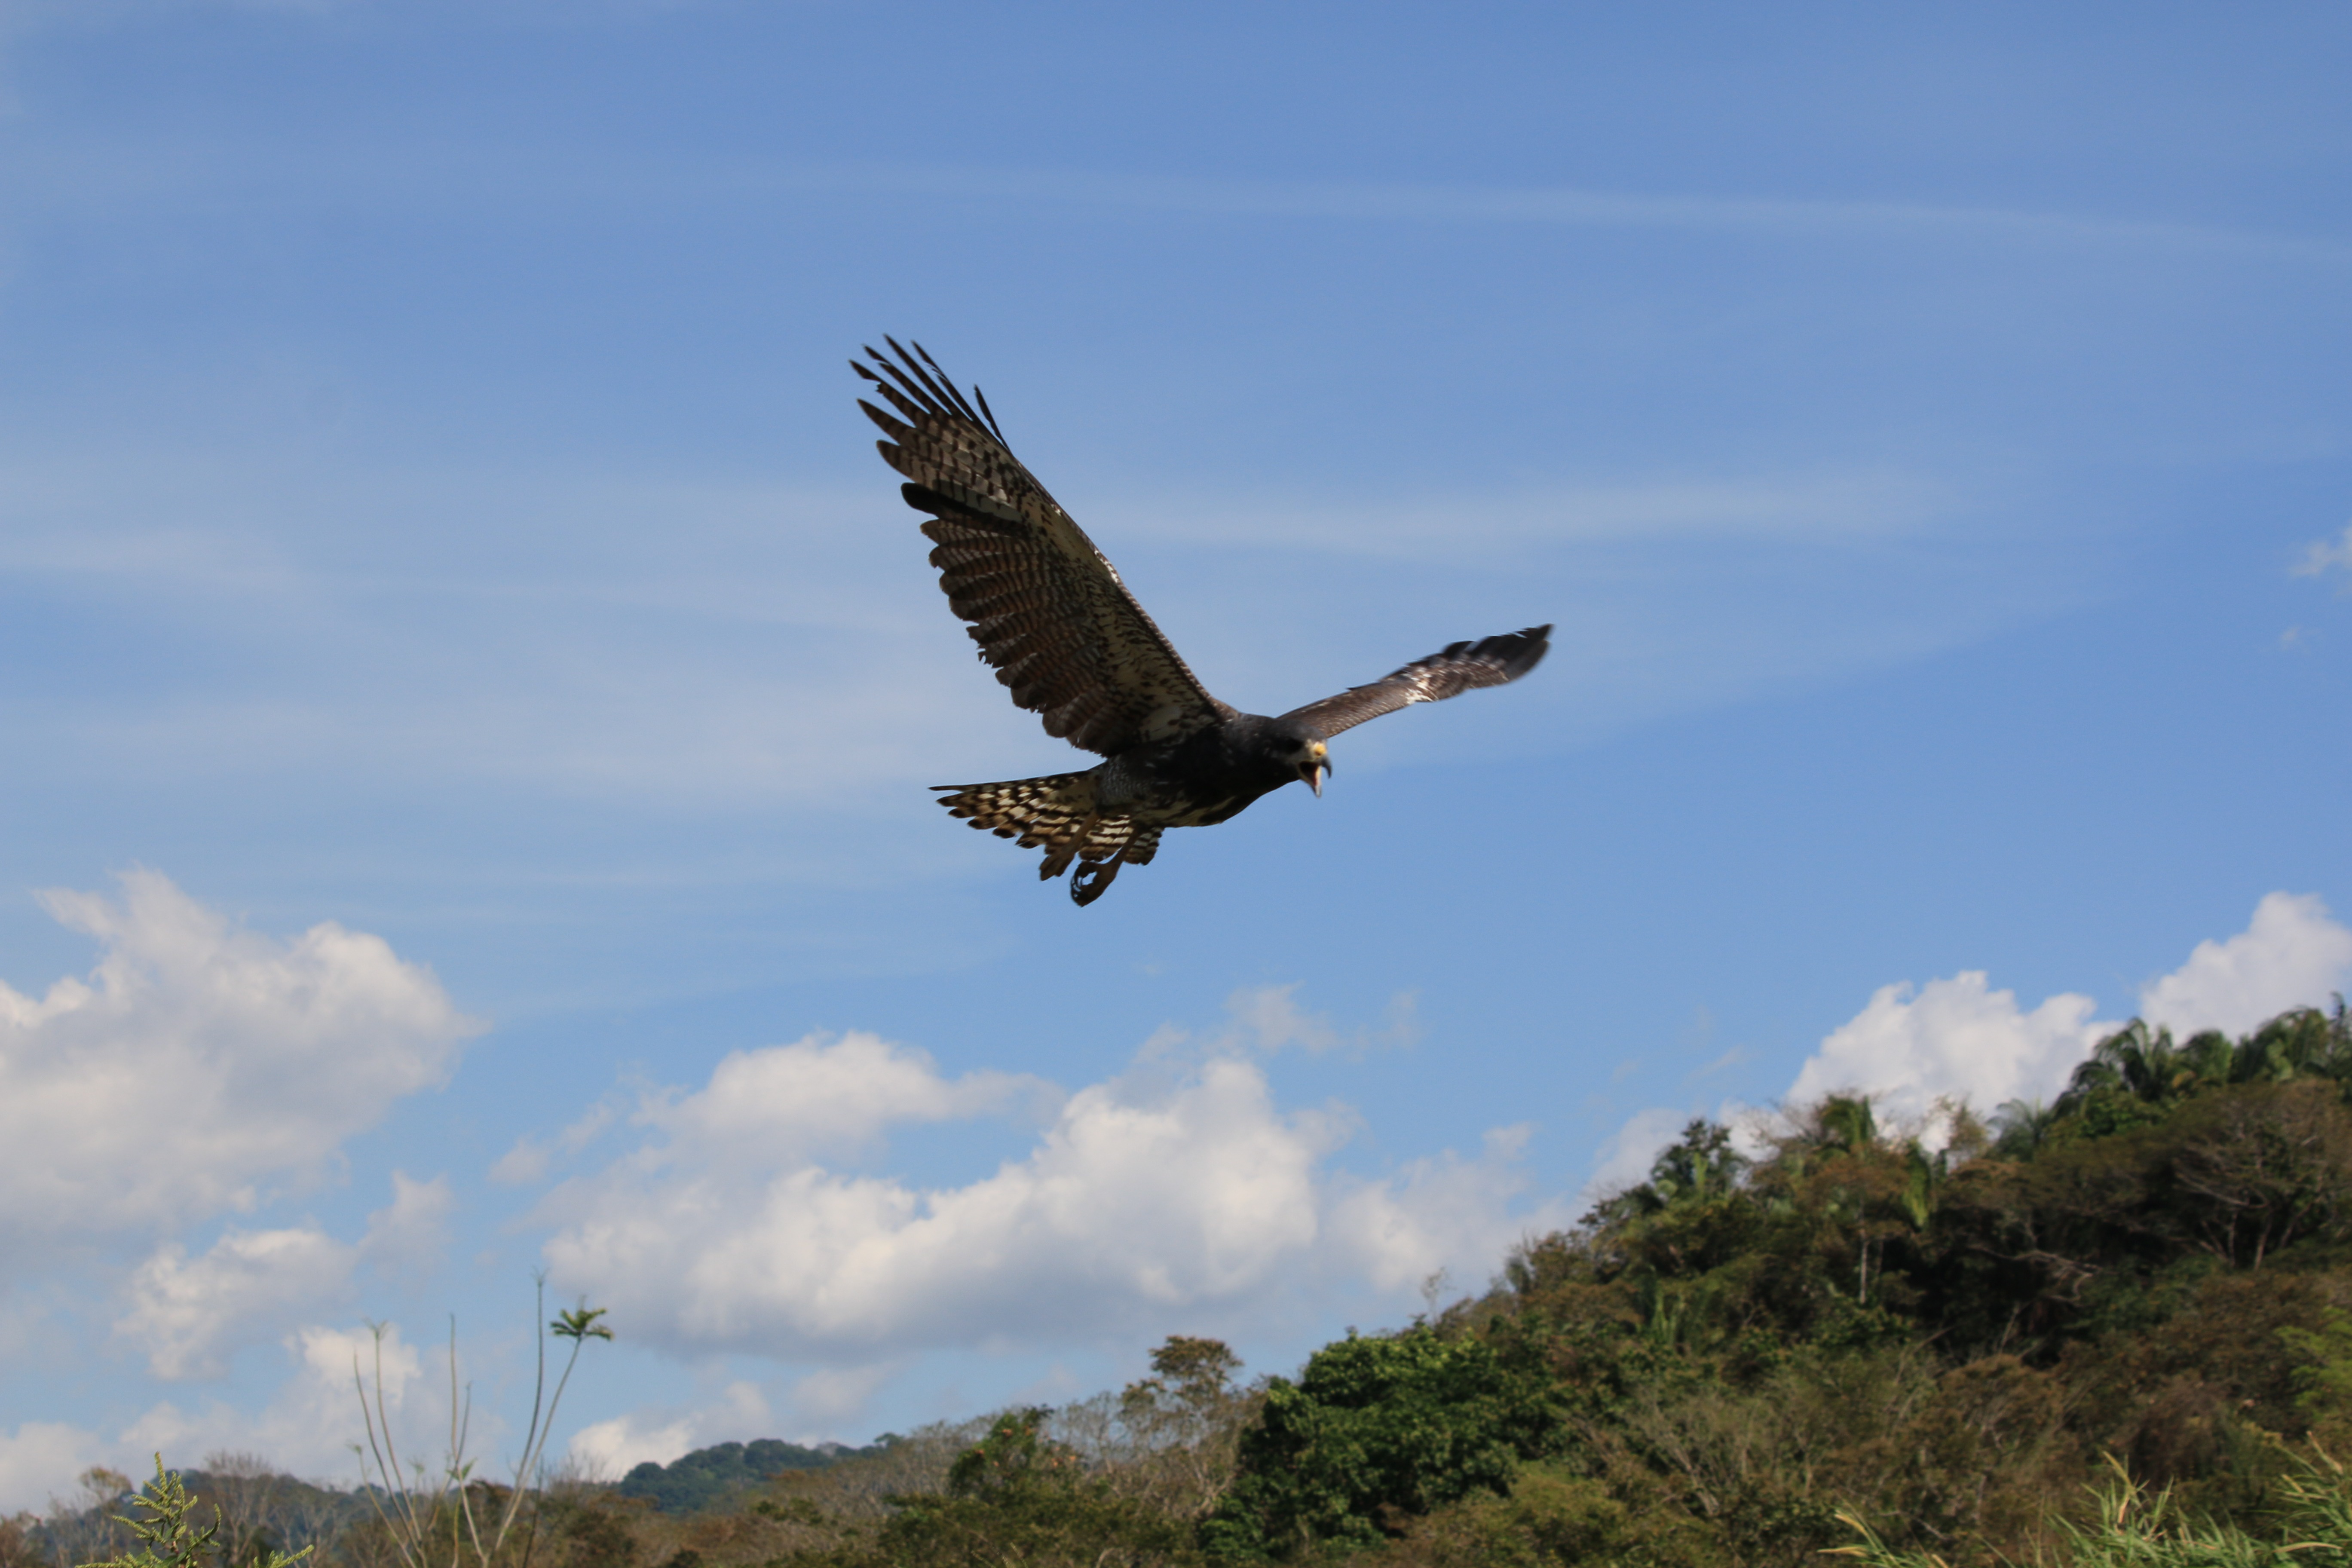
(1947, 1340)
(2117, 1328)
(708, 1478)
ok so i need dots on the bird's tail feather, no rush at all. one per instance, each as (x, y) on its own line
(1056, 814)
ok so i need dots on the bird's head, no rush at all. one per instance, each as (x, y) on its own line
(1312, 757)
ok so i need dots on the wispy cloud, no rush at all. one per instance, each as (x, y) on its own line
(1555, 206)
(1263, 1019)
(2323, 556)
(428, 178)
(632, 639)
(1815, 508)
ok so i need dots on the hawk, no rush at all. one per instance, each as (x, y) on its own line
(1049, 611)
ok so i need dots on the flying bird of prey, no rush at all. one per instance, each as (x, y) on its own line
(1050, 613)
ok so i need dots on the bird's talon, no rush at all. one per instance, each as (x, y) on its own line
(1089, 880)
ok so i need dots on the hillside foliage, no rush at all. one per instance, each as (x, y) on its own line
(714, 1477)
(2117, 1328)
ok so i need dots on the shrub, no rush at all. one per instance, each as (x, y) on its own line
(1376, 1430)
(169, 1540)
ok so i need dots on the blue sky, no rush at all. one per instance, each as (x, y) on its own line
(474, 683)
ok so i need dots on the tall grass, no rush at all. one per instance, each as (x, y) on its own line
(2136, 1526)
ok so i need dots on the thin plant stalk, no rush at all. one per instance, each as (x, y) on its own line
(414, 1511)
(579, 1325)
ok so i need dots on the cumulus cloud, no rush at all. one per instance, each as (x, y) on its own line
(306, 1428)
(187, 1311)
(40, 1460)
(1178, 1184)
(1164, 1198)
(814, 1097)
(1956, 1038)
(407, 1238)
(199, 1064)
(192, 1313)
(1959, 1039)
(1624, 1160)
(610, 1449)
(2291, 955)
(1437, 1214)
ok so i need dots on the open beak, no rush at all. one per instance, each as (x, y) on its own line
(1313, 772)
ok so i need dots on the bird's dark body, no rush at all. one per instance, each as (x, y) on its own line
(1052, 616)
(1206, 777)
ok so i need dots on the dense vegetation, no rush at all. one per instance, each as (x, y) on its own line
(711, 1478)
(2118, 1328)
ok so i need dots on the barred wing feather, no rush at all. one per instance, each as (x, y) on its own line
(1045, 606)
(1453, 670)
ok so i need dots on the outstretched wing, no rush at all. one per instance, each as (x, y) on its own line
(1489, 661)
(1047, 610)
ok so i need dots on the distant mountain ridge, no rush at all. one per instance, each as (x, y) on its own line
(708, 1477)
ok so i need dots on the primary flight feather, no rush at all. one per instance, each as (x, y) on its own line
(1051, 615)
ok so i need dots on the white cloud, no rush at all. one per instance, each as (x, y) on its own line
(828, 1397)
(188, 1313)
(610, 1449)
(813, 1098)
(309, 1426)
(1961, 1038)
(1624, 1160)
(40, 1459)
(191, 1315)
(406, 1239)
(199, 1064)
(306, 1428)
(2290, 955)
(1439, 1215)
(1957, 1038)
(1272, 1015)
(2322, 557)
(614, 1447)
(1165, 1199)
(527, 1160)
(1268, 1018)
(1176, 1187)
